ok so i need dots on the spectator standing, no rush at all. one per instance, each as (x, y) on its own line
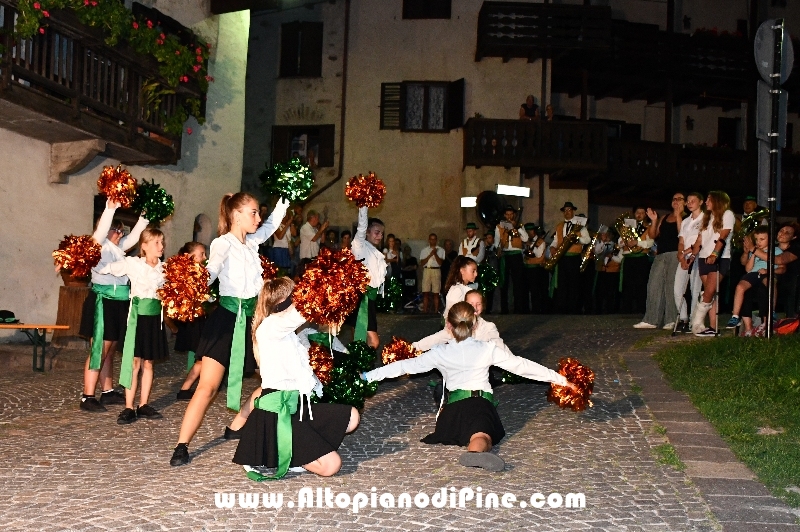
(347, 238)
(310, 235)
(687, 272)
(529, 110)
(430, 259)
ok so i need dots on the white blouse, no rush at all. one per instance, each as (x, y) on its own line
(465, 365)
(145, 279)
(485, 331)
(237, 264)
(363, 250)
(111, 252)
(456, 294)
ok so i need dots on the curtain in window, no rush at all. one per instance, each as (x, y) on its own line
(436, 107)
(415, 106)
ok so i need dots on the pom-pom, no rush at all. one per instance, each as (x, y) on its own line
(359, 357)
(185, 288)
(579, 375)
(292, 180)
(321, 361)
(392, 296)
(77, 255)
(118, 185)
(268, 268)
(153, 200)
(330, 286)
(366, 191)
(488, 278)
(347, 388)
(397, 350)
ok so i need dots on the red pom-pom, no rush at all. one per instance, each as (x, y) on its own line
(398, 349)
(321, 361)
(185, 288)
(117, 185)
(330, 286)
(579, 375)
(366, 191)
(268, 268)
(77, 255)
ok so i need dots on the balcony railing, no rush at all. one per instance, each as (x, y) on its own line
(68, 74)
(539, 146)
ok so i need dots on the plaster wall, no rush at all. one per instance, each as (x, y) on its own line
(36, 214)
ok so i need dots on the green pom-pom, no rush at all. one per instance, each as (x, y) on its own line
(361, 357)
(347, 388)
(392, 294)
(292, 180)
(488, 278)
(153, 201)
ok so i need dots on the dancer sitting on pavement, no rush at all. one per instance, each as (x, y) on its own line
(756, 269)
(225, 343)
(145, 337)
(469, 418)
(276, 435)
(462, 274)
(189, 332)
(105, 311)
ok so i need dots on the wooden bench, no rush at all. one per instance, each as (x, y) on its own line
(37, 339)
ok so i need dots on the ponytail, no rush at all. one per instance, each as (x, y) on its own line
(230, 203)
(462, 320)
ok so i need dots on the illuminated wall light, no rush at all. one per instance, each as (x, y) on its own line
(469, 201)
(508, 190)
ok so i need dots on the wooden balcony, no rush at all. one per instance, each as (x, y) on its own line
(534, 145)
(66, 85)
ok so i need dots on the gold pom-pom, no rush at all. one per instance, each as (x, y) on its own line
(397, 350)
(330, 286)
(117, 185)
(366, 191)
(268, 268)
(77, 255)
(579, 375)
(321, 361)
(185, 288)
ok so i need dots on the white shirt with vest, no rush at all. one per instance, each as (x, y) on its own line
(469, 245)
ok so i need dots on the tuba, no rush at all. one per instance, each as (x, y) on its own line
(748, 225)
(568, 242)
(627, 232)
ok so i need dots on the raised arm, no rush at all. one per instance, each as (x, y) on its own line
(267, 228)
(133, 237)
(104, 223)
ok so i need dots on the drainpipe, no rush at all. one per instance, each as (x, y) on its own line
(344, 105)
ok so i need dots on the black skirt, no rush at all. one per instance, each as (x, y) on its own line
(189, 332)
(151, 339)
(311, 439)
(217, 338)
(460, 420)
(115, 319)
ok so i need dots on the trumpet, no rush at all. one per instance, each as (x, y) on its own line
(748, 225)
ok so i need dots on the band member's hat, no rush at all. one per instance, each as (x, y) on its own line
(750, 198)
(529, 226)
(509, 208)
(472, 225)
(568, 205)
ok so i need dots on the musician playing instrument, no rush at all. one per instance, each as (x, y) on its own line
(567, 276)
(536, 276)
(472, 246)
(636, 265)
(510, 238)
(607, 265)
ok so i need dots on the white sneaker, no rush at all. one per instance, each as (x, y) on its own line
(668, 326)
(644, 325)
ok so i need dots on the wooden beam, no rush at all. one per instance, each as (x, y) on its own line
(219, 7)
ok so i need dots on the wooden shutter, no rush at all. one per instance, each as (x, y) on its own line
(290, 49)
(455, 104)
(390, 105)
(281, 137)
(326, 145)
(311, 49)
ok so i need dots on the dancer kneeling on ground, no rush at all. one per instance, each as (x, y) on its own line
(469, 418)
(313, 438)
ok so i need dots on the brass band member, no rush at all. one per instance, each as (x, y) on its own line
(568, 294)
(536, 276)
(636, 265)
(510, 238)
(607, 264)
(472, 246)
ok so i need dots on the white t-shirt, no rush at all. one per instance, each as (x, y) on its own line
(282, 242)
(431, 264)
(709, 236)
(309, 249)
(690, 228)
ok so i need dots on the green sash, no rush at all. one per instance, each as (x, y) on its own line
(321, 339)
(243, 308)
(503, 263)
(362, 320)
(146, 307)
(104, 291)
(190, 360)
(284, 404)
(458, 395)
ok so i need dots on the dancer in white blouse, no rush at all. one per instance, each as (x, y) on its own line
(469, 418)
(226, 342)
(463, 273)
(145, 337)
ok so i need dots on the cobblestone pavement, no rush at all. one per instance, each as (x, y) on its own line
(64, 469)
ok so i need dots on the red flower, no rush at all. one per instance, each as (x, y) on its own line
(199, 59)
(159, 42)
(36, 5)
(86, 2)
(198, 51)
(189, 130)
(196, 68)
(209, 78)
(41, 30)
(93, 3)
(177, 52)
(185, 79)
(163, 36)
(135, 25)
(46, 14)
(149, 22)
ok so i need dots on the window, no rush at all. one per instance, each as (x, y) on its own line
(423, 106)
(312, 144)
(729, 132)
(419, 9)
(301, 50)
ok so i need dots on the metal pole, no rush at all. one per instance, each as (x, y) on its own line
(774, 153)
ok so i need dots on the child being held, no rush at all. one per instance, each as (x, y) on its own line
(756, 269)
